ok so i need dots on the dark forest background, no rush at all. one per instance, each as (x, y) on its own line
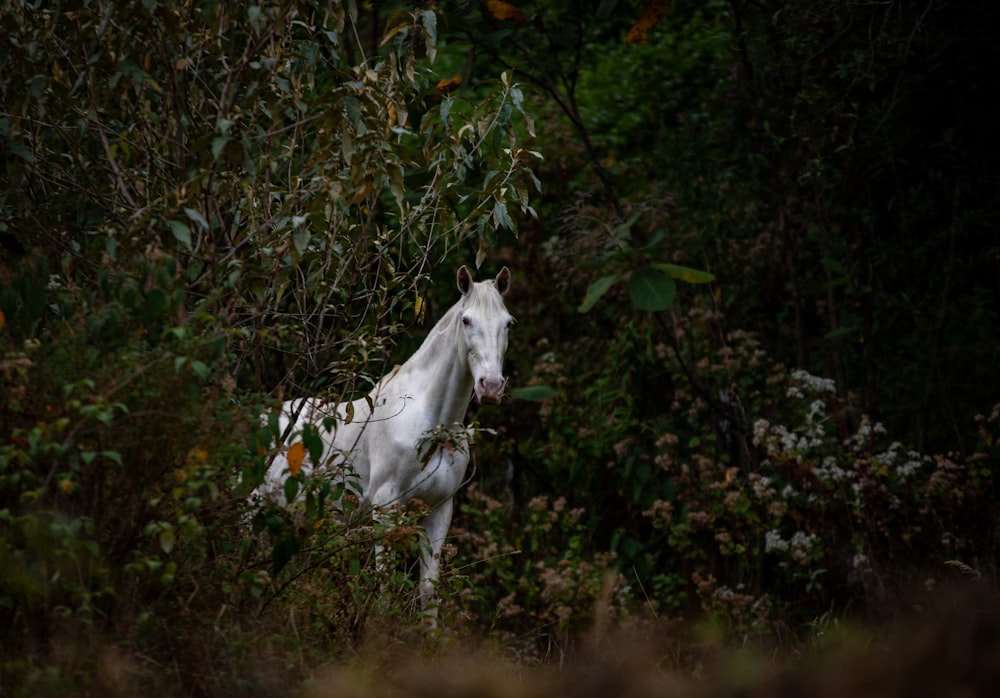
(753, 382)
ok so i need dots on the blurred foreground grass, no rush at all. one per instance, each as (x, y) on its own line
(950, 649)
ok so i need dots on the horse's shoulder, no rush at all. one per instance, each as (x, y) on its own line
(386, 379)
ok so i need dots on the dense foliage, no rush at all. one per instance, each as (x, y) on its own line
(812, 430)
(753, 375)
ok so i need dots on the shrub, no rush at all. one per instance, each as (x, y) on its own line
(530, 578)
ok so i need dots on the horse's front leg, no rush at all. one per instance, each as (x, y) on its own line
(436, 524)
(381, 502)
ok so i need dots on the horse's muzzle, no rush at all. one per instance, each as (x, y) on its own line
(489, 389)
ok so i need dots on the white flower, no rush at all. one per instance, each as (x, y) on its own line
(829, 471)
(816, 383)
(802, 545)
(774, 542)
(864, 433)
(799, 547)
(914, 461)
(760, 429)
(762, 488)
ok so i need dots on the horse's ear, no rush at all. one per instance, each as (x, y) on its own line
(464, 279)
(503, 281)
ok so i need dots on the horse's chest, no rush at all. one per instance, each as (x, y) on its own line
(404, 458)
(436, 478)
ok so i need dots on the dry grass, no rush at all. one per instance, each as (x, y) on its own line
(952, 650)
(948, 648)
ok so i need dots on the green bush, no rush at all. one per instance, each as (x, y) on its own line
(736, 487)
(531, 576)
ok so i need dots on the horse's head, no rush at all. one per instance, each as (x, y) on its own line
(485, 322)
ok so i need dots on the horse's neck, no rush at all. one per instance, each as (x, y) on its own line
(443, 366)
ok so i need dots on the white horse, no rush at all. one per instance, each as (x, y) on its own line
(386, 441)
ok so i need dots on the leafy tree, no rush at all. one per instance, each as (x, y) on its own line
(203, 202)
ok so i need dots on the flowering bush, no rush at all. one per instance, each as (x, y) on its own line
(732, 486)
(532, 574)
(827, 509)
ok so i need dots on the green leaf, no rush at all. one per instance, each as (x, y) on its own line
(22, 152)
(500, 216)
(396, 185)
(651, 289)
(833, 265)
(654, 240)
(314, 443)
(156, 304)
(429, 20)
(181, 233)
(625, 229)
(596, 290)
(496, 36)
(687, 274)
(113, 456)
(166, 540)
(533, 393)
(196, 216)
(841, 332)
(218, 145)
(291, 489)
(300, 238)
(605, 8)
(283, 551)
(444, 111)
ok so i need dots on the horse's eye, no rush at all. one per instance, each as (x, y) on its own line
(510, 323)
(467, 322)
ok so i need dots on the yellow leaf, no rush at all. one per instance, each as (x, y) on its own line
(196, 456)
(392, 117)
(418, 308)
(59, 76)
(639, 33)
(398, 21)
(296, 453)
(446, 85)
(361, 191)
(504, 10)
